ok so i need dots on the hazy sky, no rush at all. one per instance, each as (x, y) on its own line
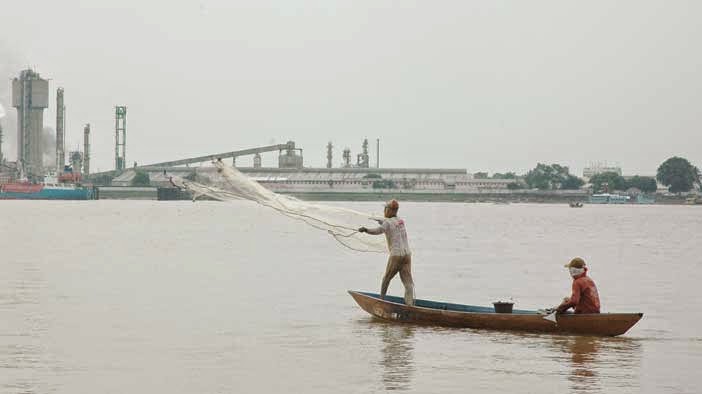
(490, 85)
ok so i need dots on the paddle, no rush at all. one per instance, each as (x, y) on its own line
(550, 314)
(551, 317)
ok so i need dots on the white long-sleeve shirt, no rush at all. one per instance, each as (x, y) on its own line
(395, 234)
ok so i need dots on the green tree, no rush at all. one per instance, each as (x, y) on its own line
(480, 175)
(551, 177)
(141, 179)
(572, 182)
(506, 175)
(678, 174)
(646, 184)
(608, 181)
(514, 186)
(539, 177)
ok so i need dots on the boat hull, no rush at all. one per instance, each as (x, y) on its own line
(37, 192)
(467, 316)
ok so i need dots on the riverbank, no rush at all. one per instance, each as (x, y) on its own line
(519, 196)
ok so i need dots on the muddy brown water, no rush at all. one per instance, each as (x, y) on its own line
(182, 297)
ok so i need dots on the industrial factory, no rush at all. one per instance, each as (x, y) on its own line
(349, 180)
(30, 176)
(68, 175)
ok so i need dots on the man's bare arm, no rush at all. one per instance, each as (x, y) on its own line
(373, 231)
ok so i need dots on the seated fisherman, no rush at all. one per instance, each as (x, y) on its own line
(584, 298)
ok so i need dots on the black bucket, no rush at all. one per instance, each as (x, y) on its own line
(503, 307)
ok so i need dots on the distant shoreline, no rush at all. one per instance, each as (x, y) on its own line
(514, 197)
(524, 196)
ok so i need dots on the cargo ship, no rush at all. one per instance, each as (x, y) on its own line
(44, 191)
(51, 189)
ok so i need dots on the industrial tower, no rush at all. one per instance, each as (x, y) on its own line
(363, 159)
(76, 159)
(30, 95)
(289, 157)
(347, 158)
(377, 153)
(60, 131)
(329, 154)
(86, 149)
(120, 137)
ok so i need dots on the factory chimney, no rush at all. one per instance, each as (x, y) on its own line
(377, 153)
(60, 131)
(329, 154)
(120, 137)
(86, 149)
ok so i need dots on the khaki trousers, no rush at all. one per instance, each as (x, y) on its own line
(403, 265)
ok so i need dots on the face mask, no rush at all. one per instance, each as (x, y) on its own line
(576, 271)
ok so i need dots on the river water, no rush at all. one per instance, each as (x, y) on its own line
(206, 297)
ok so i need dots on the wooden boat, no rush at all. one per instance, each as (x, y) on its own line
(468, 316)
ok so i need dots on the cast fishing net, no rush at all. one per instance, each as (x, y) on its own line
(228, 184)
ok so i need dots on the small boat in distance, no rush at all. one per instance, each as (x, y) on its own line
(469, 316)
(574, 204)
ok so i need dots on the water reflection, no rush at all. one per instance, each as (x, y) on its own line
(24, 324)
(593, 360)
(582, 352)
(397, 356)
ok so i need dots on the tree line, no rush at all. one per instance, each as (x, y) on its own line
(677, 173)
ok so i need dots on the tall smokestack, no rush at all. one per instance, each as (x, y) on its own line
(120, 138)
(377, 153)
(329, 154)
(60, 131)
(86, 149)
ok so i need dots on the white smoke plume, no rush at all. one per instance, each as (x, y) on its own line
(2, 137)
(10, 66)
(48, 147)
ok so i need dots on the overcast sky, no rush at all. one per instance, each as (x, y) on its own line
(490, 85)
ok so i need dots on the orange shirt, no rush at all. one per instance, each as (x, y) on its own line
(585, 298)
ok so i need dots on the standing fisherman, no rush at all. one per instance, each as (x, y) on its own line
(400, 259)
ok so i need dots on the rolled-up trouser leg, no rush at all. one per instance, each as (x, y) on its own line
(390, 272)
(406, 277)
